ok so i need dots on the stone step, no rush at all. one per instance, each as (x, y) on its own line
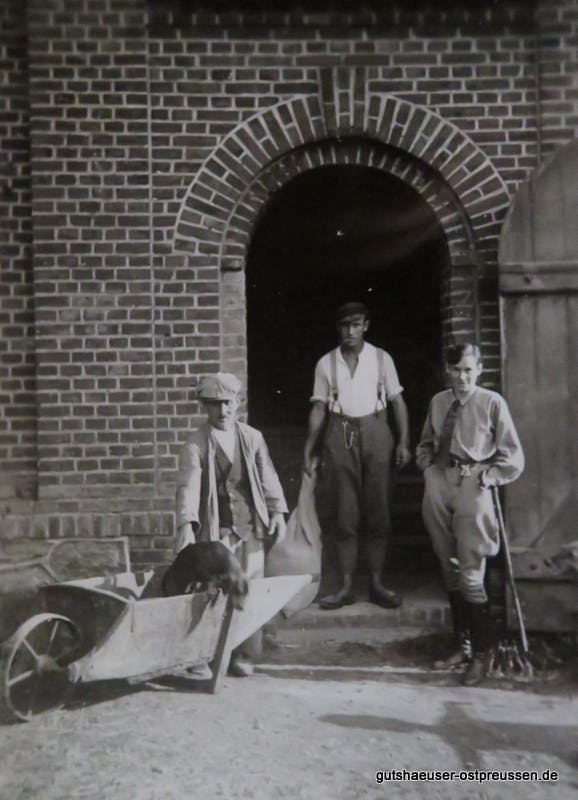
(424, 603)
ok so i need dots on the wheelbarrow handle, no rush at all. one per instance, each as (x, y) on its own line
(509, 568)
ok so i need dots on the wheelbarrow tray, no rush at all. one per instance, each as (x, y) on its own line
(118, 627)
(138, 638)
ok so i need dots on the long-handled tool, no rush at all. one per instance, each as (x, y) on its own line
(507, 660)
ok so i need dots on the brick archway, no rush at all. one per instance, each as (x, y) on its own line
(344, 124)
(347, 150)
(261, 154)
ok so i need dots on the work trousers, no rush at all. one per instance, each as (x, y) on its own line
(461, 520)
(251, 555)
(357, 455)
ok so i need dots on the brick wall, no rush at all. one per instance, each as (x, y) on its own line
(93, 282)
(17, 398)
(148, 523)
(476, 70)
(557, 73)
(128, 102)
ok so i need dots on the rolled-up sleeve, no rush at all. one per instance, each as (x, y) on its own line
(392, 385)
(321, 387)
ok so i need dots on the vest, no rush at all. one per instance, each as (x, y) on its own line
(234, 497)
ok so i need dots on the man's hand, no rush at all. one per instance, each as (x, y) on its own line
(277, 526)
(310, 464)
(483, 481)
(402, 455)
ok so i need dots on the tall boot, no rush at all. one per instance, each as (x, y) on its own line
(482, 641)
(462, 651)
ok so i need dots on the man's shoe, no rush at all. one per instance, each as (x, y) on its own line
(240, 668)
(334, 601)
(461, 655)
(384, 598)
(477, 670)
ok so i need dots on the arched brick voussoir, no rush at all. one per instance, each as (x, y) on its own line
(265, 151)
(364, 152)
(442, 145)
(241, 156)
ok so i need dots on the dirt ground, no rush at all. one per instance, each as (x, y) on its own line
(301, 728)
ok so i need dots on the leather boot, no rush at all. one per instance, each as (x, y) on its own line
(482, 639)
(462, 652)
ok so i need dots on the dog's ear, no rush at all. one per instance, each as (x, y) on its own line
(238, 596)
(239, 587)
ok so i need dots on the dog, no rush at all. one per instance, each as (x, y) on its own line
(206, 566)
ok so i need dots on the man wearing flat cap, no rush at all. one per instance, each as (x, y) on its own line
(348, 428)
(227, 487)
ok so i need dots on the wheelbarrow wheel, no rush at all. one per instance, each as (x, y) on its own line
(33, 666)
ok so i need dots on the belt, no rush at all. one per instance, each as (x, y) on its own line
(456, 461)
(357, 421)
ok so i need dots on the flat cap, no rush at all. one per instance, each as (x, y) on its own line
(221, 386)
(349, 309)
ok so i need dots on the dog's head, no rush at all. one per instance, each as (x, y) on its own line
(237, 586)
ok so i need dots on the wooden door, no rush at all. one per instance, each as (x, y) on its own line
(539, 304)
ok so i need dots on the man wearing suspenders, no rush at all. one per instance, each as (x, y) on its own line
(348, 428)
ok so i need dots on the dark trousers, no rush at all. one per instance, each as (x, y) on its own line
(357, 455)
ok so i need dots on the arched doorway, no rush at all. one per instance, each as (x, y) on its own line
(333, 234)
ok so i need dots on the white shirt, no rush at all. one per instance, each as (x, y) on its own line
(357, 393)
(227, 441)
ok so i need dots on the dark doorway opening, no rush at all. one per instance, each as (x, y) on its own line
(334, 234)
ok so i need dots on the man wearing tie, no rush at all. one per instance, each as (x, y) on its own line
(468, 444)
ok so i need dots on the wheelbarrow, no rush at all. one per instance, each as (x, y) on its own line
(118, 627)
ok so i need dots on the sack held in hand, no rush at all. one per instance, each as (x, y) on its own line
(299, 553)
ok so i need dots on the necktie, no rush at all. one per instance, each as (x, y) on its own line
(443, 454)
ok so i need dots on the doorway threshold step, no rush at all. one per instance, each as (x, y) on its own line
(424, 603)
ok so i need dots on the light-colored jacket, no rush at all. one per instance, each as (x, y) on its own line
(196, 499)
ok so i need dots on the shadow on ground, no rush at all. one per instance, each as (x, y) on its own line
(468, 735)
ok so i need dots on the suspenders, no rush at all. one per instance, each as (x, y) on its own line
(380, 378)
(334, 392)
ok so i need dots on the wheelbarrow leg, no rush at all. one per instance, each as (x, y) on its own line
(223, 650)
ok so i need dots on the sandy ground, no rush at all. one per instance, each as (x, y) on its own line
(300, 728)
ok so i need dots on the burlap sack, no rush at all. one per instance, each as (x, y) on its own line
(299, 553)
